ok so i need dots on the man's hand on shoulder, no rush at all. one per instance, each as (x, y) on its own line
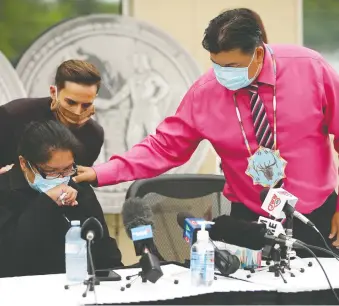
(85, 174)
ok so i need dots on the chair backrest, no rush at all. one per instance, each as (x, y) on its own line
(198, 194)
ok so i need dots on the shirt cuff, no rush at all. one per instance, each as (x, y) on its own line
(107, 173)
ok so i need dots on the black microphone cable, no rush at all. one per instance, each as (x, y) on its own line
(314, 247)
(325, 243)
(307, 248)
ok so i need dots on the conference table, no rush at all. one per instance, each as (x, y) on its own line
(261, 288)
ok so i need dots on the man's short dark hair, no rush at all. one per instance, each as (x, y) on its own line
(77, 71)
(234, 29)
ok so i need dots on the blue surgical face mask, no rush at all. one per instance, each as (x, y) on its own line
(233, 78)
(43, 185)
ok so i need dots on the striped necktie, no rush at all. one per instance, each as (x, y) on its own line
(263, 131)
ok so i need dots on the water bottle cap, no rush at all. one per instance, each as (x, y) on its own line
(75, 223)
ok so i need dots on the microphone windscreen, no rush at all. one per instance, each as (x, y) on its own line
(249, 235)
(136, 212)
(92, 224)
(181, 216)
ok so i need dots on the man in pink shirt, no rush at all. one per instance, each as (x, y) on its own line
(268, 112)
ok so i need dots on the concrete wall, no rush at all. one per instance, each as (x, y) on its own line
(185, 21)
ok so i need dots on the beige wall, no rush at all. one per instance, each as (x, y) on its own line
(185, 21)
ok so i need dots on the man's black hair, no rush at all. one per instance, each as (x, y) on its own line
(234, 29)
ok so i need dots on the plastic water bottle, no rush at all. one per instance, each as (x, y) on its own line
(75, 254)
(202, 259)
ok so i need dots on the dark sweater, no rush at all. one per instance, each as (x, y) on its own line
(33, 228)
(16, 114)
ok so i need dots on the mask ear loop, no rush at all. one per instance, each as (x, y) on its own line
(29, 166)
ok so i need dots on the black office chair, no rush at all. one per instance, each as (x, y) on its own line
(198, 194)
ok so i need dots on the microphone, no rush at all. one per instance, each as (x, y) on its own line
(279, 203)
(238, 232)
(137, 217)
(92, 229)
(225, 262)
(190, 225)
(249, 235)
(138, 221)
(273, 227)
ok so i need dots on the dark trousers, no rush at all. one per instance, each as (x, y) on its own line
(321, 217)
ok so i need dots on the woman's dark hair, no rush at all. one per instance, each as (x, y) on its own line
(40, 139)
(239, 28)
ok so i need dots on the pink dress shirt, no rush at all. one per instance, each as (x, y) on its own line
(307, 112)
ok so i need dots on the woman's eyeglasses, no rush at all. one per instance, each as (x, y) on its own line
(50, 175)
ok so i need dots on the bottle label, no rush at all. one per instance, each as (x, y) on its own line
(72, 248)
(202, 265)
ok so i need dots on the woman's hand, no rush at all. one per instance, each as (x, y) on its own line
(63, 195)
(6, 168)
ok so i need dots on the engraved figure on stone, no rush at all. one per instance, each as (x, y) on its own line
(145, 89)
(106, 103)
(138, 100)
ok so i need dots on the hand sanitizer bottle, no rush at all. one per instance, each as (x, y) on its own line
(202, 258)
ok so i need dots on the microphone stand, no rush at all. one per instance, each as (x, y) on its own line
(279, 255)
(150, 270)
(287, 251)
(92, 280)
(276, 268)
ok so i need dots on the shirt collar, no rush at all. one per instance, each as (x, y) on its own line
(267, 74)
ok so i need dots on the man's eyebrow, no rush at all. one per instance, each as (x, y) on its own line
(71, 100)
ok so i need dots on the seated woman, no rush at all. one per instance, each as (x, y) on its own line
(33, 218)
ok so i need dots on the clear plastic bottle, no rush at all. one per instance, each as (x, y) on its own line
(202, 259)
(75, 254)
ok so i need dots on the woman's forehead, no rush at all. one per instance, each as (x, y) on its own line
(59, 160)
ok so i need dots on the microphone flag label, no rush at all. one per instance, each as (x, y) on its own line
(142, 232)
(275, 201)
(192, 225)
(275, 227)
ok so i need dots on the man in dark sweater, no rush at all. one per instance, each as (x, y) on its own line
(71, 103)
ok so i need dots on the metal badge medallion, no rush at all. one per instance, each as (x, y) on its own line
(266, 167)
(145, 74)
(11, 87)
